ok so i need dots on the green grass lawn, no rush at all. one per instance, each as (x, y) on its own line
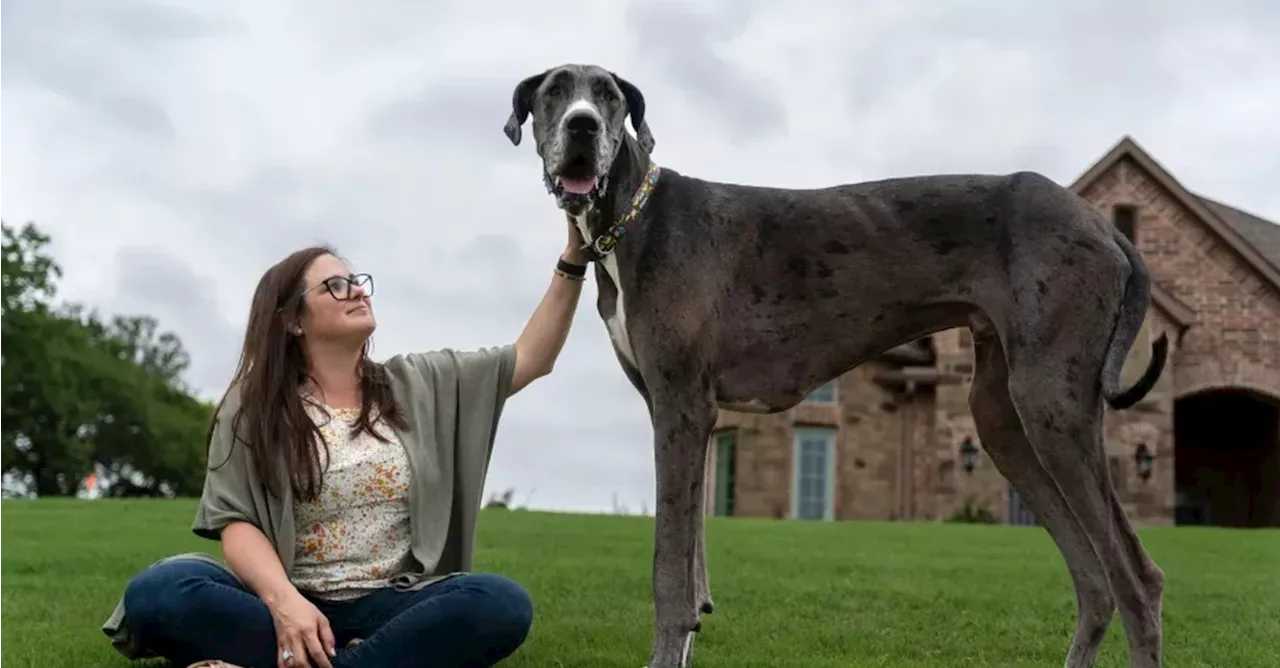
(787, 593)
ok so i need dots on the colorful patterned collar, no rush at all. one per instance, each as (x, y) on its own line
(604, 244)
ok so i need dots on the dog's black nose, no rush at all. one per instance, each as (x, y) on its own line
(583, 123)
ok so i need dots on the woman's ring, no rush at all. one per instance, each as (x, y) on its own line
(287, 656)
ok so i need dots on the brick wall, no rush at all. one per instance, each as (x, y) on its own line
(880, 431)
(1235, 341)
(948, 487)
(873, 480)
(1150, 422)
(763, 466)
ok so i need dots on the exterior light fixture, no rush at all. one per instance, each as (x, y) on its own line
(968, 455)
(1145, 461)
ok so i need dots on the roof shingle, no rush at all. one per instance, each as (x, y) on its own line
(1261, 233)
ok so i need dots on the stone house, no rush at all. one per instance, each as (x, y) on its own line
(894, 440)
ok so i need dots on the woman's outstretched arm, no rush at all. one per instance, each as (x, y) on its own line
(544, 335)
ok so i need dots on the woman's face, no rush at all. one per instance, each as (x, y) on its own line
(337, 304)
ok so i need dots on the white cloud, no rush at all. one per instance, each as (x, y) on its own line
(176, 150)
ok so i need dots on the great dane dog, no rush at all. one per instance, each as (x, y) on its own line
(748, 297)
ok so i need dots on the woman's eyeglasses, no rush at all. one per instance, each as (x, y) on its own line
(339, 287)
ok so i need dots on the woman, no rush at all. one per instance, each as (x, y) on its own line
(346, 502)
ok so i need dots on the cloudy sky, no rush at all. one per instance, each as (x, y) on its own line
(176, 149)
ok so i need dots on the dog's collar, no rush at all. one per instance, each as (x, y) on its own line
(604, 244)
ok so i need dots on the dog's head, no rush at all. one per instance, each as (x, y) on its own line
(578, 114)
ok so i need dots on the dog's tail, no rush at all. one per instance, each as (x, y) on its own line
(1133, 310)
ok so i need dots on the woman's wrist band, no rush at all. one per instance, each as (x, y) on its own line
(568, 276)
(576, 270)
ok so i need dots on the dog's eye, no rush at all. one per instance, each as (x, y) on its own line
(554, 90)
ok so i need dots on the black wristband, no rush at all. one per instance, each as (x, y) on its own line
(571, 269)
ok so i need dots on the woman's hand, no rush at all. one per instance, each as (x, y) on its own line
(303, 630)
(573, 252)
(300, 627)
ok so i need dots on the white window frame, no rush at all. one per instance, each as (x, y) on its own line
(830, 435)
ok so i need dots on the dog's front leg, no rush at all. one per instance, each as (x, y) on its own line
(683, 417)
(701, 588)
(701, 585)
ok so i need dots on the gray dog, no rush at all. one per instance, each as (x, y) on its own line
(724, 295)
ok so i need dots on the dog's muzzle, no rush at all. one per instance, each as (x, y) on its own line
(582, 172)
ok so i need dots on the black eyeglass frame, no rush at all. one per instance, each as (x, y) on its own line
(365, 281)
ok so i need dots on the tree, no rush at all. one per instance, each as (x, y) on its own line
(81, 393)
(29, 274)
(46, 405)
(150, 430)
(138, 339)
(43, 356)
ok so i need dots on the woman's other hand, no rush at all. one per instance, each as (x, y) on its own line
(303, 630)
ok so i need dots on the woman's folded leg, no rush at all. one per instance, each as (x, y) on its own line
(188, 610)
(468, 621)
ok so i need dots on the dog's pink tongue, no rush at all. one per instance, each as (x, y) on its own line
(577, 186)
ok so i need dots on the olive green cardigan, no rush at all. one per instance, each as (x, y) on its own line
(451, 401)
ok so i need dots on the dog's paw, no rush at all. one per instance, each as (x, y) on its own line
(674, 650)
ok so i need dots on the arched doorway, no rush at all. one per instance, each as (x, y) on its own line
(1227, 458)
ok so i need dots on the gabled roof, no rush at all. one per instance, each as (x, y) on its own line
(1254, 240)
(1262, 233)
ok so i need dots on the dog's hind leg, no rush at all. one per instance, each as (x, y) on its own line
(1055, 388)
(1006, 444)
(683, 416)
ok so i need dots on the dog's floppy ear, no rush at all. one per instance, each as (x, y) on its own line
(521, 105)
(635, 107)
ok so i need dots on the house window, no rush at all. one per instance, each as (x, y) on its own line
(1125, 219)
(825, 394)
(813, 489)
(726, 467)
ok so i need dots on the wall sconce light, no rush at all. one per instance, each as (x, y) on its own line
(1145, 461)
(968, 455)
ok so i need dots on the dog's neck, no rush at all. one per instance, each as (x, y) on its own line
(628, 171)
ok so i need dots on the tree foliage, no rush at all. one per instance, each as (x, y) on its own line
(83, 395)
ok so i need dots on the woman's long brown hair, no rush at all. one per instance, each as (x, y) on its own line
(271, 373)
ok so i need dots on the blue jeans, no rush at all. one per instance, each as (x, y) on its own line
(188, 611)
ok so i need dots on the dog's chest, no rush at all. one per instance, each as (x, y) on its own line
(616, 323)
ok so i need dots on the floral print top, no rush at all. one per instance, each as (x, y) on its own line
(355, 537)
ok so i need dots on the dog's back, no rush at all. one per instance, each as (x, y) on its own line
(873, 264)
